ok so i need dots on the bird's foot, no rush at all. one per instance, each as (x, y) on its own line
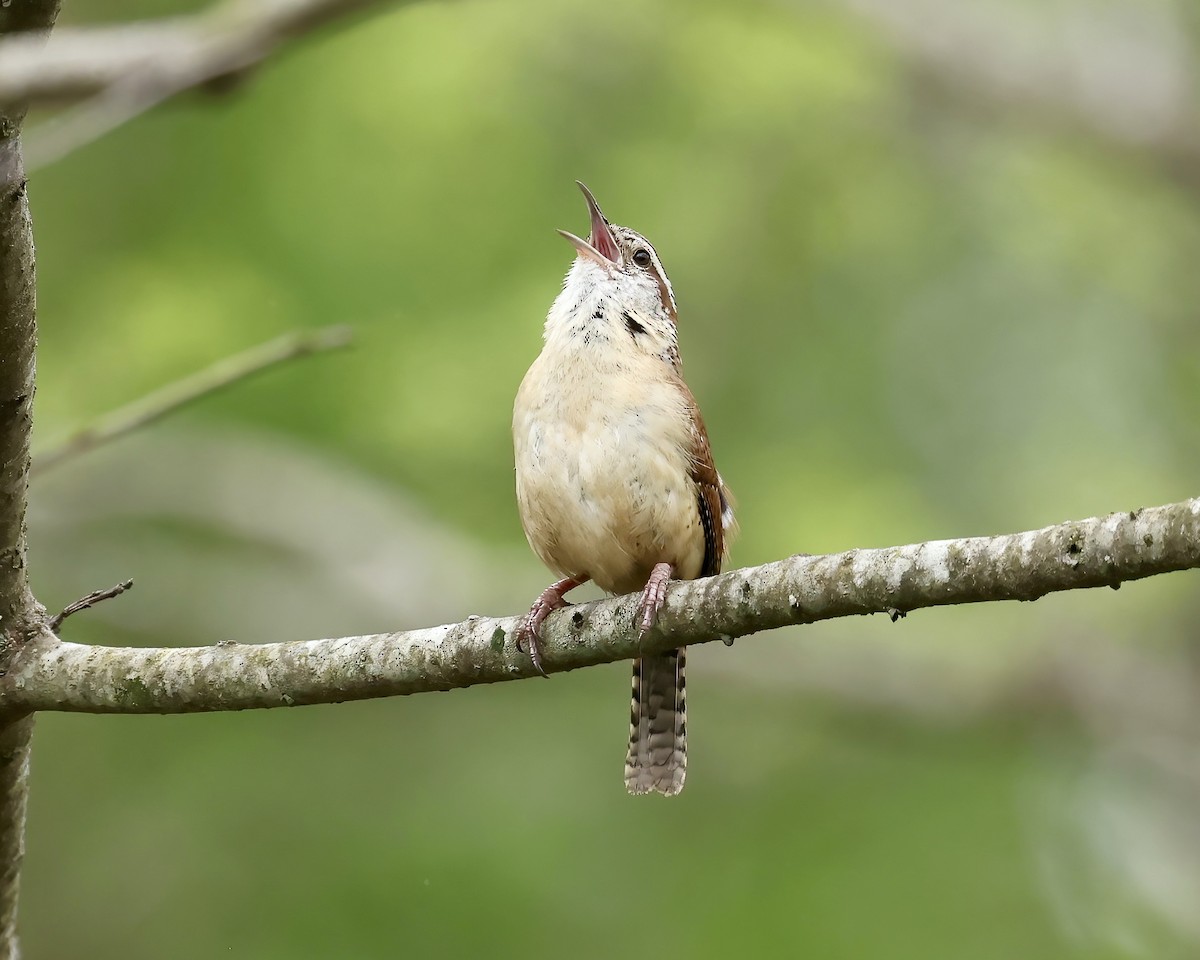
(653, 597)
(548, 601)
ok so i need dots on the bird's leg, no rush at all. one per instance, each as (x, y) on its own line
(549, 600)
(653, 597)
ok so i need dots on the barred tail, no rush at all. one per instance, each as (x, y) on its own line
(657, 758)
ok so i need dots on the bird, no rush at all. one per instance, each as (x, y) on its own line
(615, 479)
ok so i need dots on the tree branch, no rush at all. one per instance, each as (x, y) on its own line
(54, 675)
(168, 399)
(125, 70)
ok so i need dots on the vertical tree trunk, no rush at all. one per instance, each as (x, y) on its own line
(20, 614)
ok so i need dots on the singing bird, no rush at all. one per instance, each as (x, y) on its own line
(615, 477)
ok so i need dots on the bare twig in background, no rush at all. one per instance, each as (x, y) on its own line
(54, 675)
(83, 603)
(52, 140)
(123, 71)
(222, 374)
(20, 613)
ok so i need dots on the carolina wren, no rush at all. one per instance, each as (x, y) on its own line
(615, 478)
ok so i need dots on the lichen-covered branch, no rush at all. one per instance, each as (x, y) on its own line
(53, 675)
(20, 615)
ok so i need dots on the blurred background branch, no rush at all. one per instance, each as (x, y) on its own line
(1108, 551)
(1125, 77)
(173, 53)
(1125, 74)
(122, 71)
(225, 373)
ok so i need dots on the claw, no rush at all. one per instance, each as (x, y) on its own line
(527, 642)
(653, 597)
(548, 601)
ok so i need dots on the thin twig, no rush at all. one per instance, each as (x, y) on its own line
(168, 399)
(48, 674)
(93, 598)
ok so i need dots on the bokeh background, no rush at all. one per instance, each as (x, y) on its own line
(936, 268)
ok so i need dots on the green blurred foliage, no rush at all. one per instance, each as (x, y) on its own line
(904, 319)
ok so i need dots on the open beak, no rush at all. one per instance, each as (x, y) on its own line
(600, 245)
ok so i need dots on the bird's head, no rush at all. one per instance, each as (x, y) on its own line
(623, 258)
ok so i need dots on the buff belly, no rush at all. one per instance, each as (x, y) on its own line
(599, 498)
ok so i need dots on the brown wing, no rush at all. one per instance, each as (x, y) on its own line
(711, 495)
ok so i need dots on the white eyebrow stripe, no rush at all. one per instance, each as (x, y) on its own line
(663, 281)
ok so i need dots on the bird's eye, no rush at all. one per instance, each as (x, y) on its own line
(641, 256)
